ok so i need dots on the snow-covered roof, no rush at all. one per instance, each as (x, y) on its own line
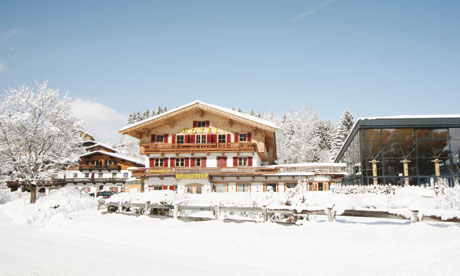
(290, 174)
(102, 145)
(116, 155)
(223, 109)
(412, 116)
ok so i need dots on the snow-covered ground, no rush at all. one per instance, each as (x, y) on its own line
(76, 239)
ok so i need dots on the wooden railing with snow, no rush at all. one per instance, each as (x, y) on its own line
(288, 216)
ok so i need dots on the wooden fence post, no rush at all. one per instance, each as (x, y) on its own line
(330, 214)
(265, 213)
(176, 211)
(414, 217)
(119, 207)
(146, 208)
(216, 212)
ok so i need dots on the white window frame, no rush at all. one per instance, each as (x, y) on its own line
(180, 139)
(201, 123)
(242, 161)
(180, 162)
(239, 185)
(243, 137)
(222, 138)
(158, 140)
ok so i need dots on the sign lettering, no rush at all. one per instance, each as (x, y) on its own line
(191, 175)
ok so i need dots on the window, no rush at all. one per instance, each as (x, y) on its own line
(221, 188)
(201, 123)
(200, 139)
(242, 161)
(221, 138)
(242, 188)
(86, 175)
(100, 175)
(198, 162)
(157, 188)
(320, 186)
(159, 139)
(291, 185)
(180, 139)
(114, 175)
(243, 137)
(270, 187)
(180, 162)
(159, 162)
(222, 161)
(75, 175)
(87, 162)
(125, 175)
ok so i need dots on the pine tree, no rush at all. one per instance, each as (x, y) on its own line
(324, 137)
(146, 114)
(159, 110)
(343, 129)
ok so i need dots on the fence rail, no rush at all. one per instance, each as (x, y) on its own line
(283, 216)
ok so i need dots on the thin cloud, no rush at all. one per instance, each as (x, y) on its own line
(3, 66)
(313, 10)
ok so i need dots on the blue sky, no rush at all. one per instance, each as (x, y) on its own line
(377, 58)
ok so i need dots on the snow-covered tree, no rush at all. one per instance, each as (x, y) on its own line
(324, 136)
(146, 114)
(129, 146)
(343, 129)
(39, 135)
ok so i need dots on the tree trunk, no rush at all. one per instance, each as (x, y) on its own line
(33, 194)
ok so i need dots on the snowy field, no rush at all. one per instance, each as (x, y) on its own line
(63, 234)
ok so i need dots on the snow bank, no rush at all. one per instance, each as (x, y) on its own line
(7, 196)
(62, 204)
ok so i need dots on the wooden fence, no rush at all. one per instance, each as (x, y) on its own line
(282, 216)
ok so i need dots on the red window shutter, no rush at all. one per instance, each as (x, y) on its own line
(192, 162)
(173, 139)
(192, 138)
(208, 138)
(187, 161)
(152, 162)
(172, 162)
(249, 136)
(203, 162)
(237, 137)
(214, 138)
(228, 138)
(165, 139)
(171, 188)
(188, 138)
(235, 161)
(195, 124)
(250, 161)
(165, 162)
(207, 124)
(165, 187)
(152, 138)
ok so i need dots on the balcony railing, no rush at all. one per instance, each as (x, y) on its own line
(100, 167)
(94, 180)
(192, 147)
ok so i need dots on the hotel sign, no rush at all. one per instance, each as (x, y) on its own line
(191, 175)
(157, 171)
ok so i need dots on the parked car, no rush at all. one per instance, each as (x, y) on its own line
(105, 194)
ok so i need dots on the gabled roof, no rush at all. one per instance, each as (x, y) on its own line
(264, 124)
(97, 144)
(115, 155)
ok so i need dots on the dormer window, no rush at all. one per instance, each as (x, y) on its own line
(201, 124)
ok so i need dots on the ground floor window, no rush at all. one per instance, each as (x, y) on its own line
(242, 188)
(320, 186)
(310, 186)
(291, 185)
(270, 187)
(194, 189)
(220, 188)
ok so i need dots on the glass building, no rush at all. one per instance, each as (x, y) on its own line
(417, 150)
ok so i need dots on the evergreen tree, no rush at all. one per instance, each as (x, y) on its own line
(159, 110)
(146, 114)
(324, 137)
(343, 129)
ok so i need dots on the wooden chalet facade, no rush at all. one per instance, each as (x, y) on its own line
(202, 148)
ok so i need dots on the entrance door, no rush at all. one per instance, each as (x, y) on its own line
(194, 189)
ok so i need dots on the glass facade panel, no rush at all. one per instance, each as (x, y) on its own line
(390, 146)
(454, 133)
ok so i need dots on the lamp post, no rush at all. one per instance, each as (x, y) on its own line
(405, 171)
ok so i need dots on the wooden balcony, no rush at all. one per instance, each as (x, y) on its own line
(100, 167)
(149, 148)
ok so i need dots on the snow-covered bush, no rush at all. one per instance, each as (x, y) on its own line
(362, 189)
